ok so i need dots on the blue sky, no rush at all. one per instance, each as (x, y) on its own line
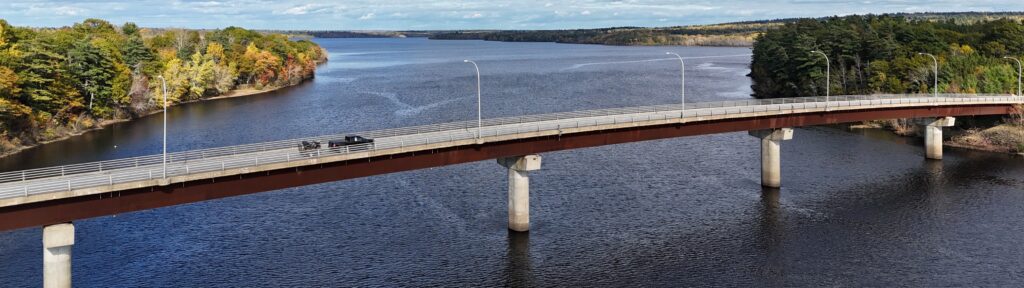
(472, 14)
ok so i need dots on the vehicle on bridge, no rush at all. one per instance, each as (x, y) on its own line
(352, 142)
(306, 148)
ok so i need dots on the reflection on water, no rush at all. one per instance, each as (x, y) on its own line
(860, 208)
(771, 240)
(518, 269)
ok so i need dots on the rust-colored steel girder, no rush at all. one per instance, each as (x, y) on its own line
(83, 207)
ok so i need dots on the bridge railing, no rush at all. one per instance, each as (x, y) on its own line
(74, 176)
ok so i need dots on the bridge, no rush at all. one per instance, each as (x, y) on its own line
(54, 197)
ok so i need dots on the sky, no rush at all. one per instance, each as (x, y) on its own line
(449, 15)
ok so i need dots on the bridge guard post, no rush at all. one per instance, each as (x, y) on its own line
(771, 168)
(57, 242)
(933, 136)
(519, 189)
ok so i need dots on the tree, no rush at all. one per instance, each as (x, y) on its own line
(8, 83)
(200, 73)
(879, 54)
(247, 63)
(40, 75)
(135, 52)
(130, 29)
(95, 70)
(94, 26)
(5, 36)
(47, 76)
(177, 82)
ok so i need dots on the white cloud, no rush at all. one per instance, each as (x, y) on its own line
(368, 16)
(208, 3)
(68, 11)
(298, 10)
(473, 15)
(585, 12)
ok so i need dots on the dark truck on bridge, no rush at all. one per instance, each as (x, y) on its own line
(349, 143)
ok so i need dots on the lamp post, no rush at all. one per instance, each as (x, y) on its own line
(682, 83)
(828, 77)
(1020, 67)
(165, 125)
(478, 113)
(936, 72)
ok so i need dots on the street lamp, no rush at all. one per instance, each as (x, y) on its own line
(936, 72)
(682, 83)
(165, 124)
(1019, 68)
(828, 77)
(478, 114)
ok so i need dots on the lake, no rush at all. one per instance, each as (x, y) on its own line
(858, 208)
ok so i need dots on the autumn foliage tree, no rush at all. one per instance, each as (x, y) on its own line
(56, 81)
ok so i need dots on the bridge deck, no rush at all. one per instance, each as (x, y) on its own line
(45, 184)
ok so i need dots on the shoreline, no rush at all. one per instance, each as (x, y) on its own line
(974, 140)
(234, 93)
(601, 44)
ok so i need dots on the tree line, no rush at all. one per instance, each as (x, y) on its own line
(879, 54)
(58, 81)
(701, 35)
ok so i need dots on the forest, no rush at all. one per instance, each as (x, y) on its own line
(726, 34)
(700, 35)
(880, 54)
(56, 82)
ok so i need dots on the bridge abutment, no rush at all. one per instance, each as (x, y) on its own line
(771, 165)
(519, 189)
(933, 136)
(57, 242)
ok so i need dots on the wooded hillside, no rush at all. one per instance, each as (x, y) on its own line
(879, 54)
(59, 81)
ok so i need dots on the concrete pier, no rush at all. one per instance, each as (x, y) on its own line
(57, 242)
(519, 189)
(933, 136)
(771, 167)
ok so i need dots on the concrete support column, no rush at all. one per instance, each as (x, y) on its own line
(519, 189)
(57, 242)
(933, 136)
(771, 167)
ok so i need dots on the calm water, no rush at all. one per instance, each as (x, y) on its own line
(856, 209)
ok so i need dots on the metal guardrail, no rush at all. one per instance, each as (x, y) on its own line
(92, 174)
